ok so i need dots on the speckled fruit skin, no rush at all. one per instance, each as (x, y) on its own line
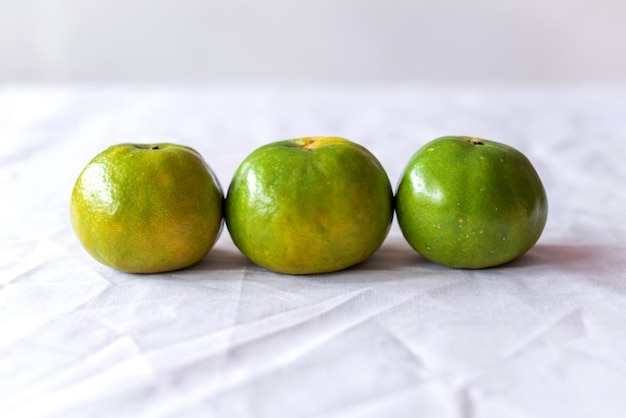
(147, 208)
(309, 205)
(470, 203)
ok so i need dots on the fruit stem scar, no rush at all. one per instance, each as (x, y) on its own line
(309, 144)
(155, 147)
(475, 141)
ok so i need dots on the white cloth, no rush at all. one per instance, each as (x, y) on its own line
(396, 336)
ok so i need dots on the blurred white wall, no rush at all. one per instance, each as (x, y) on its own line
(321, 40)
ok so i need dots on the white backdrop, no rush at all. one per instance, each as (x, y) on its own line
(322, 40)
(542, 337)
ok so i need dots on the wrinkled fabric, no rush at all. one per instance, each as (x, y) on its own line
(396, 336)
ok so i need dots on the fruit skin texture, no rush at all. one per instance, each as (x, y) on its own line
(470, 203)
(147, 208)
(309, 205)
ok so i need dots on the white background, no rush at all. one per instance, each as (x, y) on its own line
(323, 40)
(542, 337)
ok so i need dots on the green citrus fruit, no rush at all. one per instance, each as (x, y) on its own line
(309, 205)
(470, 203)
(147, 208)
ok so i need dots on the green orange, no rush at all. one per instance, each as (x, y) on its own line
(146, 208)
(470, 203)
(309, 205)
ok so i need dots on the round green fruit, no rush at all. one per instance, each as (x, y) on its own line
(309, 205)
(147, 208)
(470, 203)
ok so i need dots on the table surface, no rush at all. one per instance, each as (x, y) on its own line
(396, 336)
